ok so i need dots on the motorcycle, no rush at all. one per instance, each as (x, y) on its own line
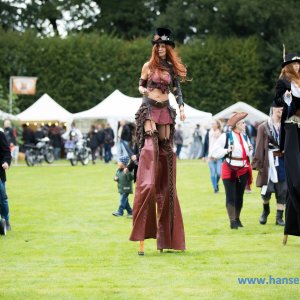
(78, 151)
(36, 154)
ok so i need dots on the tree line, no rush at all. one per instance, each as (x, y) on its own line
(129, 19)
(83, 69)
(232, 49)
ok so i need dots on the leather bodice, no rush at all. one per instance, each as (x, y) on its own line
(161, 82)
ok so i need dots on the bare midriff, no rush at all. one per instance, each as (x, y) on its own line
(156, 94)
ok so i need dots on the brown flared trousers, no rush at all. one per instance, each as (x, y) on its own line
(156, 209)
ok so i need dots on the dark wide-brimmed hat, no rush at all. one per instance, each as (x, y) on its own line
(236, 117)
(290, 58)
(162, 35)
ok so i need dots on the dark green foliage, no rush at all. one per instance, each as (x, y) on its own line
(8, 16)
(223, 71)
(48, 17)
(126, 19)
(241, 18)
(81, 70)
(233, 49)
(77, 72)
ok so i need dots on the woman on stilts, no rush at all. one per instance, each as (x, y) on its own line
(156, 209)
(288, 95)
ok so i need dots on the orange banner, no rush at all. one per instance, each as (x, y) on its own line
(24, 85)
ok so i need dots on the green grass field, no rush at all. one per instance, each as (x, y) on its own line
(65, 243)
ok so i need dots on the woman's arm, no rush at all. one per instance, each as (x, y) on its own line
(143, 80)
(218, 151)
(177, 91)
(178, 96)
(280, 89)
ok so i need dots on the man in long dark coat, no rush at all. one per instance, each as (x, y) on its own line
(269, 162)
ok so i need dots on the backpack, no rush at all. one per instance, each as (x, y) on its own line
(229, 137)
(108, 138)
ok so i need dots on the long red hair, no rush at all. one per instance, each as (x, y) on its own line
(178, 67)
(289, 73)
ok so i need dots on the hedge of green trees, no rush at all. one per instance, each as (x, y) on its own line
(83, 69)
(232, 49)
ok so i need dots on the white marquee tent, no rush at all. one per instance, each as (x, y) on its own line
(254, 115)
(115, 106)
(45, 109)
(4, 115)
(118, 106)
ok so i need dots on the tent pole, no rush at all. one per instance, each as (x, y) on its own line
(10, 95)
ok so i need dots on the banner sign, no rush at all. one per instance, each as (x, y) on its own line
(24, 85)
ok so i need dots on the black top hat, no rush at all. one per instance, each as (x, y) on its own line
(162, 35)
(277, 104)
(290, 58)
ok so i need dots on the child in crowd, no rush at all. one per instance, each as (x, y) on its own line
(124, 179)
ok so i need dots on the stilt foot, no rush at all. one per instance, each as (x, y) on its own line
(141, 251)
(284, 241)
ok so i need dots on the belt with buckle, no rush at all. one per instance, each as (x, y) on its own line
(237, 158)
(155, 103)
(277, 153)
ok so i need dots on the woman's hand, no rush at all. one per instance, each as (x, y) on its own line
(287, 97)
(5, 166)
(143, 90)
(182, 114)
(287, 93)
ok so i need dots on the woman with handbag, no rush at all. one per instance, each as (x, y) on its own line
(156, 175)
(236, 149)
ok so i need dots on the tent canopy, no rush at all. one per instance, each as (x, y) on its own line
(4, 115)
(254, 115)
(119, 106)
(45, 109)
(193, 115)
(116, 105)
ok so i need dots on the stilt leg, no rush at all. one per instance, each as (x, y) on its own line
(284, 241)
(141, 251)
(144, 209)
(170, 230)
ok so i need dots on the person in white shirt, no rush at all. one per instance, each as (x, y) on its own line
(72, 136)
(214, 164)
(236, 148)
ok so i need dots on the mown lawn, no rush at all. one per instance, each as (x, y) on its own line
(65, 244)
